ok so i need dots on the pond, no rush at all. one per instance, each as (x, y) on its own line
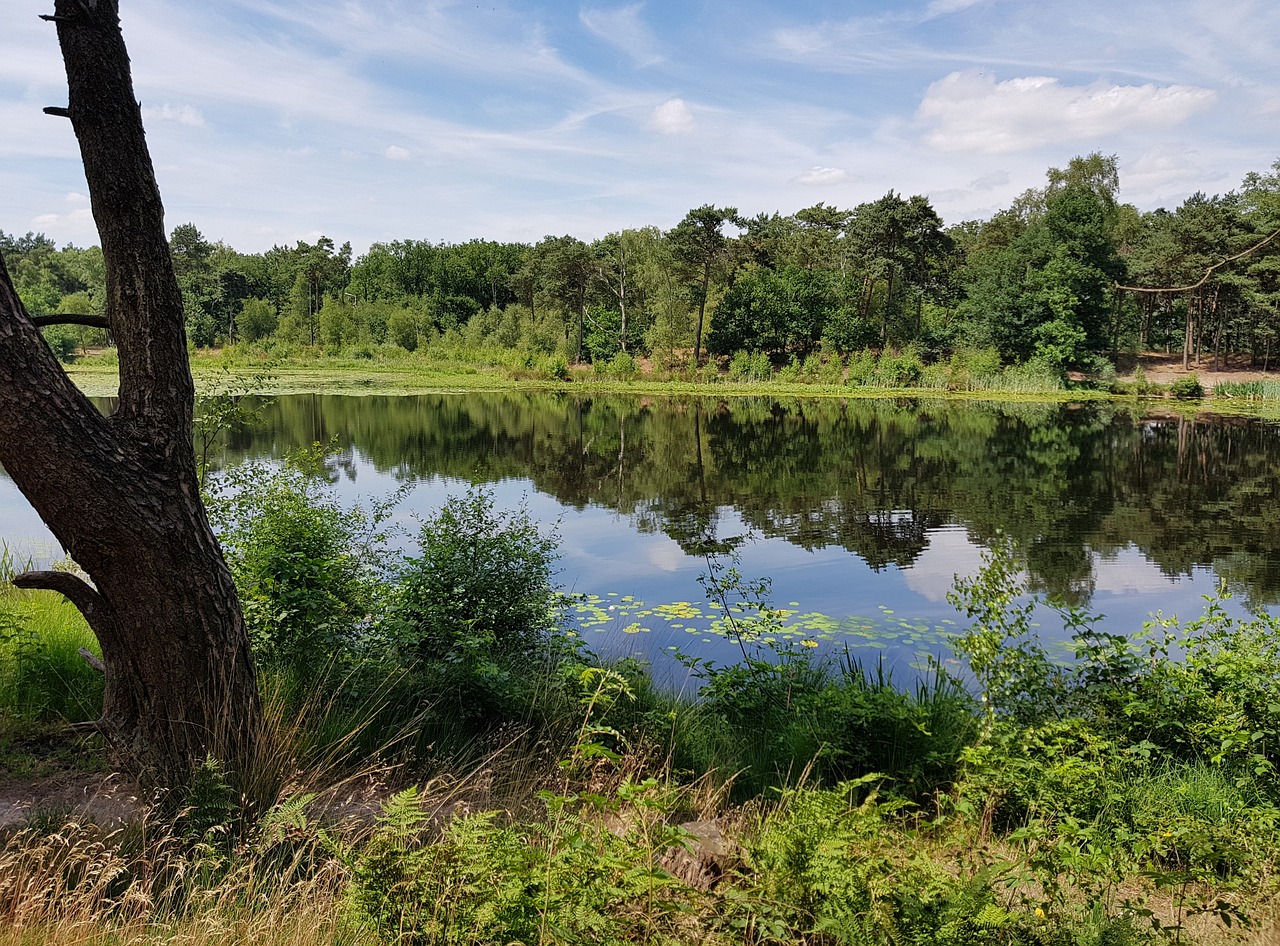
(861, 512)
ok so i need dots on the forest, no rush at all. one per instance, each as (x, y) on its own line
(1066, 279)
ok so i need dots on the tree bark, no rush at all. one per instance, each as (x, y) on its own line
(121, 493)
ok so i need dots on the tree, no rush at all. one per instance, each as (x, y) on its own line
(772, 311)
(698, 242)
(121, 492)
(568, 269)
(896, 239)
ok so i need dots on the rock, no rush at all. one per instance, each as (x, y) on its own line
(707, 856)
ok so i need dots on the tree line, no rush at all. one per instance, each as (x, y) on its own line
(1067, 278)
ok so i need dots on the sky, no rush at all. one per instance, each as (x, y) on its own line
(273, 121)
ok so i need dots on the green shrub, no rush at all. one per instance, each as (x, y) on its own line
(750, 366)
(791, 371)
(780, 712)
(1188, 387)
(623, 366)
(307, 569)
(902, 370)
(862, 368)
(830, 866)
(476, 616)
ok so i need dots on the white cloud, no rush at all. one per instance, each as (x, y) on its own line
(990, 181)
(672, 118)
(80, 220)
(182, 114)
(943, 7)
(624, 29)
(949, 554)
(971, 111)
(397, 153)
(818, 176)
(1129, 571)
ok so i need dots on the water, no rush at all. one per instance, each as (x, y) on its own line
(862, 510)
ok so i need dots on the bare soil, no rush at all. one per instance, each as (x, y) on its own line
(1163, 369)
(106, 800)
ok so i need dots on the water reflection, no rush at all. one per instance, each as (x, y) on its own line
(1075, 485)
(855, 504)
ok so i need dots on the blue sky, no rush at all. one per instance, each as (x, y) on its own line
(369, 120)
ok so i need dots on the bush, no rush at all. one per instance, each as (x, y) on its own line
(567, 879)
(902, 370)
(780, 711)
(308, 570)
(622, 366)
(750, 366)
(862, 368)
(476, 616)
(1188, 387)
(825, 867)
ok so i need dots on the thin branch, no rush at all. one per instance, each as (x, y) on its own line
(57, 111)
(1209, 272)
(93, 321)
(72, 587)
(92, 660)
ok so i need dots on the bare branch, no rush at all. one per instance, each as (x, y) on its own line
(93, 321)
(75, 589)
(92, 660)
(1209, 272)
(57, 111)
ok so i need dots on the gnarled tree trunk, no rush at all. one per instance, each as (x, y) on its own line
(121, 493)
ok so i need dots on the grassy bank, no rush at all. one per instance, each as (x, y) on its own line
(430, 370)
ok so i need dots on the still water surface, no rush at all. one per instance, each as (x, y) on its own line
(863, 510)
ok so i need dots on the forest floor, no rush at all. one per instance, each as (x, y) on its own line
(1163, 369)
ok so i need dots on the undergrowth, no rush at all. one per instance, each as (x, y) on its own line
(451, 766)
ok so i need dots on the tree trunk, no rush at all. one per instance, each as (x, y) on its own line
(121, 493)
(1188, 335)
(702, 312)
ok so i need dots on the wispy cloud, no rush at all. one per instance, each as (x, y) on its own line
(623, 28)
(972, 111)
(182, 114)
(271, 120)
(823, 176)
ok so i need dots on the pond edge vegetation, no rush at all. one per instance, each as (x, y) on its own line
(450, 765)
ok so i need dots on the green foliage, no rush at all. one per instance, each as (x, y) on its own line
(1250, 390)
(833, 865)
(899, 370)
(64, 340)
(779, 714)
(622, 366)
(1187, 387)
(307, 569)
(750, 366)
(567, 879)
(476, 616)
(1149, 754)
(42, 675)
(257, 320)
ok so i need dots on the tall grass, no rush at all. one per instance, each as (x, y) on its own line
(42, 675)
(1249, 390)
